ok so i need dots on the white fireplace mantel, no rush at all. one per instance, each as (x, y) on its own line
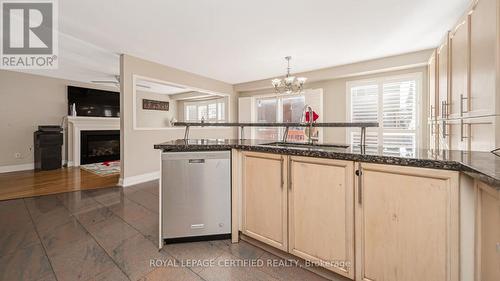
(78, 124)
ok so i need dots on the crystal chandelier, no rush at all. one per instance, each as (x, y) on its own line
(289, 84)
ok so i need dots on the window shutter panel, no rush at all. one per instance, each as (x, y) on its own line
(364, 103)
(399, 106)
(391, 101)
(245, 114)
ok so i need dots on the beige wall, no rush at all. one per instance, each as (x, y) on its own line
(392, 63)
(154, 118)
(27, 101)
(139, 159)
(335, 103)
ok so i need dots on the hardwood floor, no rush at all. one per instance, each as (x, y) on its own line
(30, 183)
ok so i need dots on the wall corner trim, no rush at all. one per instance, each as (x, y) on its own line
(128, 181)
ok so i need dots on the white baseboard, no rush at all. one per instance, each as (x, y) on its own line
(15, 168)
(23, 167)
(128, 181)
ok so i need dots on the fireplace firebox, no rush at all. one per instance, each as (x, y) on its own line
(99, 146)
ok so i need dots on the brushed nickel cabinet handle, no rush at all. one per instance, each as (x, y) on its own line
(289, 175)
(462, 98)
(281, 170)
(462, 137)
(444, 129)
(359, 173)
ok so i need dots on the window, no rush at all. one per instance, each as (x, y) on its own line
(391, 101)
(209, 110)
(273, 109)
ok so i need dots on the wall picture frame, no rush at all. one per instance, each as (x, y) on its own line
(155, 105)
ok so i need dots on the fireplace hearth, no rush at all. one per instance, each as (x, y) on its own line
(99, 146)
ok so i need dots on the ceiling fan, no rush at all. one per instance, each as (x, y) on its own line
(116, 83)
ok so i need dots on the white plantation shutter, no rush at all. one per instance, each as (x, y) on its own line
(371, 141)
(399, 144)
(208, 110)
(365, 108)
(400, 115)
(399, 104)
(245, 114)
(364, 105)
(391, 101)
(191, 113)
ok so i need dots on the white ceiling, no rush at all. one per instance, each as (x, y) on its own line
(173, 91)
(159, 88)
(240, 41)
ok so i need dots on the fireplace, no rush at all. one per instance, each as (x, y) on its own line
(99, 146)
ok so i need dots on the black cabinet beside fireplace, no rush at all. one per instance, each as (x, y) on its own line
(99, 146)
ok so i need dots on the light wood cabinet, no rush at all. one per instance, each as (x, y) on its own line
(433, 135)
(406, 224)
(264, 198)
(432, 73)
(433, 100)
(443, 78)
(480, 133)
(321, 212)
(459, 69)
(487, 233)
(443, 93)
(484, 58)
(469, 80)
(459, 132)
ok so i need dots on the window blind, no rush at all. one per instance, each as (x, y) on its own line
(392, 102)
(399, 104)
(364, 105)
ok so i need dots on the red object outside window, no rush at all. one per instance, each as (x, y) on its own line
(315, 116)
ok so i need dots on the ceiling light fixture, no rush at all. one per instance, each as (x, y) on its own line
(289, 84)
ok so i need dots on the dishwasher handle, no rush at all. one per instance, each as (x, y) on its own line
(196, 161)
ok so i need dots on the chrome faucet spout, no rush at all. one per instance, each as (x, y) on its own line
(307, 109)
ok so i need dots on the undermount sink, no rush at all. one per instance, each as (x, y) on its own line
(306, 145)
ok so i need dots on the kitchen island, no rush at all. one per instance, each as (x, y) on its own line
(366, 215)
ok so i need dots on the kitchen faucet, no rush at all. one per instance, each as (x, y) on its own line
(308, 109)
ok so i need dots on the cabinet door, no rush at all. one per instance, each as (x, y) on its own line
(488, 233)
(483, 57)
(481, 133)
(407, 224)
(458, 131)
(433, 135)
(432, 87)
(265, 198)
(443, 89)
(459, 56)
(444, 133)
(321, 212)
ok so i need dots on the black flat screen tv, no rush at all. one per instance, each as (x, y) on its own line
(94, 103)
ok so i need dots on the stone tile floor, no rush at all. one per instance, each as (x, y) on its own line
(111, 234)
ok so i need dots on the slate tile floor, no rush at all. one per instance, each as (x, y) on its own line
(111, 234)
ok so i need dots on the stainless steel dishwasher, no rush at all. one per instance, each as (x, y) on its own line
(196, 196)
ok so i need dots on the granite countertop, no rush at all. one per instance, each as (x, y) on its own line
(484, 166)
